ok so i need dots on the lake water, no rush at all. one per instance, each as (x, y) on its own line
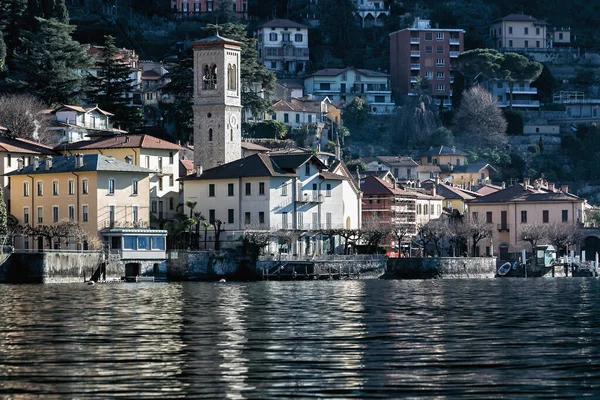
(336, 339)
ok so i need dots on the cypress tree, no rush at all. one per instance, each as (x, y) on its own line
(47, 59)
(3, 215)
(109, 88)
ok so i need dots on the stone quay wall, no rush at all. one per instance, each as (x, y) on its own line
(441, 268)
(55, 267)
(356, 268)
(199, 265)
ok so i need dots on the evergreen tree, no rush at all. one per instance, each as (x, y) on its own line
(3, 216)
(181, 88)
(341, 30)
(47, 59)
(12, 20)
(225, 13)
(60, 11)
(109, 88)
(2, 52)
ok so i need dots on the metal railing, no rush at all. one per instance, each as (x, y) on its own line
(326, 257)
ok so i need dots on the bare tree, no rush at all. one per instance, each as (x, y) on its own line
(533, 234)
(460, 233)
(20, 113)
(478, 229)
(374, 231)
(433, 232)
(398, 232)
(256, 240)
(287, 237)
(561, 235)
(479, 121)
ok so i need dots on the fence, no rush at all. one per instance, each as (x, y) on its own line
(327, 257)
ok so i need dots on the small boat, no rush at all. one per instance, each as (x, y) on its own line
(504, 268)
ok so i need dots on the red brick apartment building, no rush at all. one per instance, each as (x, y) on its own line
(200, 8)
(431, 53)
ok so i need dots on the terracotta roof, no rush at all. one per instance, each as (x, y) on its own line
(82, 109)
(398, 161)
(522, 17)
(449, 192)
(216, 39)
(338, 71)
(298, 105)
(151, 75)
(374, 185)
(256, 165)
(185, 166)
(253, 146)
(519, 194)
(331, 176)
(122, 141)
(488, 189)
(443, 151)
(282, 23)
(91, 162)
(19, 145)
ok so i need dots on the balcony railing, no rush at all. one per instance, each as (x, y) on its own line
(503, 227)
(309, 196)
(453, 54)
(415, 40)
(413, 79)
(520, 103)
(523, 90)
(454, 41)
(415, 66)
(125, 224)
(415, 53)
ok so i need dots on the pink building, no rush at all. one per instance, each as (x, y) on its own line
(422, 51)
(198, 8)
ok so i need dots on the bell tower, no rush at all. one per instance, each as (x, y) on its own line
(217, 102)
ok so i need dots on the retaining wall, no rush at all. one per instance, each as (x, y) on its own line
(441, 268)
(200, 265)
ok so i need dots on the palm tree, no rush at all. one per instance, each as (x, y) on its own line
(191, 205)
(198, 217)
(206, 225)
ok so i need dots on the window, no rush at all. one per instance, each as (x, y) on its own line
(328, 190)
(565, 215)
(230, 189)
(439, 62)
(25, 189)
(171, 203)
(40, 189)
(428, 49)
(297, 118)
(439, 36)
(261, 188)
(379, 99)
(526, 31)
(526, 43)
(425, 209)
(298, 37)
(248, 189)
(211, 190)
(328, 221)
(510, 30)
(560, 36)
(171, 157)
(71, 186)
(300, 222)
(325, 86)
(54, 213)
(488, 217)
(440, 88)
(211, 216)
(171, 181)
(154, 206)
(419, 209)
(475, 216)
(134, 213)
(40, 215)
(160, 164)
(134, 187)
(537, 31)
(537, 43)
(429, 74)
(284, 220)
(286, 118)
(210, 134)
(273, 64)
(84, 186)
(111, 186)
(25, 215)
(261, 217)
(439, 75)
(247, 218)
(111, 214)
(545, 216)
(9, 160)
(54, 188)
(309, 118)
(439, 49)
(85, 213)
(230, 216)
(428, 35)
(307, 169)
(71, 213)
(510, 43)
(284, 189)
(273, 36)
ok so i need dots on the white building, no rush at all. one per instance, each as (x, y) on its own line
(372, 12)
(278, 193)
(71, 124)
(523, 95)
(283, 46)
(300, 111)
(347, 83)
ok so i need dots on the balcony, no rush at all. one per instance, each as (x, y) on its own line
(415, 40)
(454, 54)
(309, 196)
(522, 90)
(503, 227)
(415, 67)
(413, 79)
(415, 53)
(520, 103)
(454, 41)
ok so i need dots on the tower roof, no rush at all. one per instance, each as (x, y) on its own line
(215, 40)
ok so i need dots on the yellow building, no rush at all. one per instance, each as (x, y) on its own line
(453, 166)
(518, 31)
(508, 210)
(96, 191)
(158, 155)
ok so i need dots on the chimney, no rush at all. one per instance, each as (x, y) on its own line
(551, 186)
(503, 185)
(128, 159)
(19, 164)
(338, 150)
(36, 163)
(433, 190)
(526, 183)
(564, 188)
(199, 170)
(126, 138)
(78, 160)
(437, 179)
(48, 162)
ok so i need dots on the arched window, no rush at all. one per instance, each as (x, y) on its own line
(231, 136)
(230, 84)
(205, 76)
(210, 134)
(213, 77)
(234, 77)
